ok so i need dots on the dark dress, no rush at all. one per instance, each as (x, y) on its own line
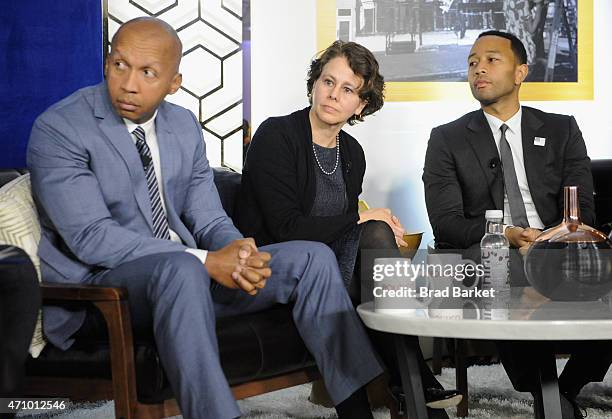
(330, 199)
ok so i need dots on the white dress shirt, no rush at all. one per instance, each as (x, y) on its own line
(515, 140)
(151, 139)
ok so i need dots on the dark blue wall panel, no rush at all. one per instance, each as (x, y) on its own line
(48, 49)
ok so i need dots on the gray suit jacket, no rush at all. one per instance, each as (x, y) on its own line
(92, 196)
(463, 176)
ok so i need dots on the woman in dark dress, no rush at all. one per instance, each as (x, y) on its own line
(303, 175)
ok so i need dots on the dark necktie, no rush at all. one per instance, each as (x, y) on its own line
(160, 222)
(513, 192)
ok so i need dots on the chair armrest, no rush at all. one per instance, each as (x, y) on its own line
(66, 292)
(113, 304)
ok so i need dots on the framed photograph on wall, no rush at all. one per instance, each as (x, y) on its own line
(422, 45)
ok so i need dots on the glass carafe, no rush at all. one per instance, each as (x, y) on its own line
(572, 261)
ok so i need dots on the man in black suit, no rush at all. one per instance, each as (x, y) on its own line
(513, 158)
(463, 172)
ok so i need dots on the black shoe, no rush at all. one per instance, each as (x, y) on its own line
(570, 409)
(437, 398)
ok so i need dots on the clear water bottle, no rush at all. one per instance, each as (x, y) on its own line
(495, 253)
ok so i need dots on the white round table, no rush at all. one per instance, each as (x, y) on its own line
(564, 321)
(544, 321)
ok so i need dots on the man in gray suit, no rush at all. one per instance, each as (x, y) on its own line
(127, 198)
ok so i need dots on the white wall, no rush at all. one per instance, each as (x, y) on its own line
(395, 139)
(283, 41)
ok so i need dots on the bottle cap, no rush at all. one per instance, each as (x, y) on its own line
(494, 215)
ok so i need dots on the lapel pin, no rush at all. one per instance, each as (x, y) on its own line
(539, 141)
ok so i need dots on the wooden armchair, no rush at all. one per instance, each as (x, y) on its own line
(261, 352)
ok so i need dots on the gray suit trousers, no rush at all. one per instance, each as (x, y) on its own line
(173, 294)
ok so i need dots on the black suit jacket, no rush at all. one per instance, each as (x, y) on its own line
(463, 177)
(279, 184)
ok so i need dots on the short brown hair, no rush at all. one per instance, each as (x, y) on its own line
(363, 64)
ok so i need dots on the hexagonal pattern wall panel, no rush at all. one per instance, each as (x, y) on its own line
(211, 32)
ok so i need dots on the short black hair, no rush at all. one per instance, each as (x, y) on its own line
(516, 44)
(363, 63)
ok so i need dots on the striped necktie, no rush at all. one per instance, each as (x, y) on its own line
(160, 222)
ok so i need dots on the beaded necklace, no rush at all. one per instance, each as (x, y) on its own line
(337, 156)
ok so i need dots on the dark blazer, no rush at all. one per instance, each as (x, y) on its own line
(279, 184)
(463, 177)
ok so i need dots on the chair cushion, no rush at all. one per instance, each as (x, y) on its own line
(6, 175)
(228, 185)
(19, 227)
